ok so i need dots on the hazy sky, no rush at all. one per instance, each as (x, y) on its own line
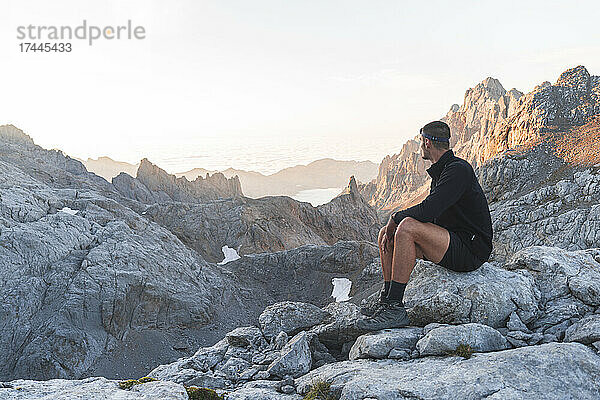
(235, 70)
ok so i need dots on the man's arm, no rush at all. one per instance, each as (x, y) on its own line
(451, 186)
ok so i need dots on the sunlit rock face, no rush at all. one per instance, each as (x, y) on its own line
(572, 101)
(537, 157)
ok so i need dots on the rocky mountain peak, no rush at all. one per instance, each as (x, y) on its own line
(489, 89)
(169, 187)
(493, 84)
(577, 78)
(490, 121)
(10, 133)
(352, 187)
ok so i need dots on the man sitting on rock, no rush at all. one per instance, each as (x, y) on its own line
(452, 227)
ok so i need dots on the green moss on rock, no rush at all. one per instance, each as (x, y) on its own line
(128, 384)
(319, 390)
(462, 350)
(196, 393)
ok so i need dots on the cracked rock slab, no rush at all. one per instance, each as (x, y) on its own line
(487, 295)
(586, 331)
(443, 340)
(549, 371)
(379, 344)
(97, 388)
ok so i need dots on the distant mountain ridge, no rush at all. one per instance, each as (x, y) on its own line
(320, 174)
(108, 168)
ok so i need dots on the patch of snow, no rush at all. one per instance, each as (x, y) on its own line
(230, 255)
(68, 210)
(341, 289)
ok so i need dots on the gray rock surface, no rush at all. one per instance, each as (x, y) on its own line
(267, 224)
(567, 282)
(536, 199)
(91, 286)
(586, 331)
(246, 336)
(263, 390)
(74, 287)
(289, 317)
(442, 340)
(379, 344)
(306, 270)
(340, 328)
(96, 388)
(295, 359)
(549, 371)
(487, 295)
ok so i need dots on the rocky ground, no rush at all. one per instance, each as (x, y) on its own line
(122, 279)
(529, 328)
(91, 285)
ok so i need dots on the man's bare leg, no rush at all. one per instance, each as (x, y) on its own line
(391, 312)
(432, 239)
(386, 258)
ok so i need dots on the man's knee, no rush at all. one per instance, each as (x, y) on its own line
(407, 227)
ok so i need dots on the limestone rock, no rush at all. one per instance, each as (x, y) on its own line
(487, 295)
(97, 388)
(260, 389)
(443, 340)
(289, 317)
(268, 224)
(295, 359)
(585, 331)
(340, 327)
(569, 368)
(246, 336)
(564, 280)
(379, 344)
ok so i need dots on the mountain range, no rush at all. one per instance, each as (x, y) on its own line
(325, 173)
(111, 280)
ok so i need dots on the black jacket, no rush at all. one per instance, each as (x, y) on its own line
(457, 203)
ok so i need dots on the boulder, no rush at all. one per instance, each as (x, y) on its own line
(379, 344)
(295, 359)
(340, 326)
(487, 295)
(585, 331)
(248, 336)
(549, 371)
(289, 317)
(443, 340)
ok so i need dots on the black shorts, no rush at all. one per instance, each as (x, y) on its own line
(458, 257)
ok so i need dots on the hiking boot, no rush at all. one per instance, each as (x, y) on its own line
(389, 315)
(371, 308)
